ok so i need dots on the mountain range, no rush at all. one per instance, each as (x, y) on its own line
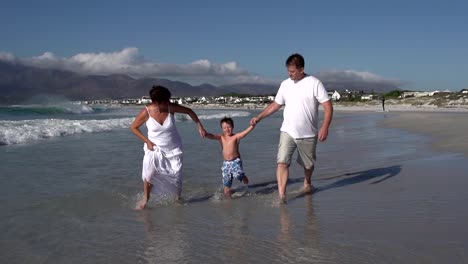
(19, 82)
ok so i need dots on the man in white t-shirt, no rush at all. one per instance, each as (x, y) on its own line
(300, 95)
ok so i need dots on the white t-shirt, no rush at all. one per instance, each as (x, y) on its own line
(301, 100)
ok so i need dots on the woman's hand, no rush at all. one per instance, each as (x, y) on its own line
(202, 131)
(150, 145)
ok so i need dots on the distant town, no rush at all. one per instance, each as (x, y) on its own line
(236, 100)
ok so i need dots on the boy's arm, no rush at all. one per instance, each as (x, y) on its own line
(245, 132)
(213, 136)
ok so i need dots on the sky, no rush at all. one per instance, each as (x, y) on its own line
(414, 45)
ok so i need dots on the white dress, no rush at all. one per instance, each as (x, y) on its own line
(162, 167)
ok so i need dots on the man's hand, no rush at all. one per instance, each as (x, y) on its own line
(323, 134)
(254, 121)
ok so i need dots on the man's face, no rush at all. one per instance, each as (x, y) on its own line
(294, 73)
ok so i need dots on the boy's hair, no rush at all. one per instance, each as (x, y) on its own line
(297, 60)
(159, 94)
(226, 120)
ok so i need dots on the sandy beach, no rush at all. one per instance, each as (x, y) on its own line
(390, 189)
(447, 130)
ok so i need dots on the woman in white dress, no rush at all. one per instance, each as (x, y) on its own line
(162, 163)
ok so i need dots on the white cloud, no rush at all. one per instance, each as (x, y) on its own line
(7, 57)
(129, 61)
(356, 80)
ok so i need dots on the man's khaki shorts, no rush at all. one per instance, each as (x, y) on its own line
(305, 148)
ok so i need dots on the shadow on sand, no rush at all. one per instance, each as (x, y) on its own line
(378, 175)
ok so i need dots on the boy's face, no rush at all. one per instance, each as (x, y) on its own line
(227, 128)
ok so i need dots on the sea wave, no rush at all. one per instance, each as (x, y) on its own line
(47, 109)
(223, 114)
(17, 132)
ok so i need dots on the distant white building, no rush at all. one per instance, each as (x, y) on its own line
(367, 97)
(335, 96)
(416, 94)
(144, 100)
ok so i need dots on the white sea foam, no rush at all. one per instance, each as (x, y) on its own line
(224, 114)
(16, 132)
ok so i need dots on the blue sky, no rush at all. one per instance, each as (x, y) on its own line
(418, 45)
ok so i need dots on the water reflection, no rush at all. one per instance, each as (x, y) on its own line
(298, 237)
(162, 245)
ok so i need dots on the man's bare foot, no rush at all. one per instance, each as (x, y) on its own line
(309, 189)
(282, 199)
(142, 204)
(245, 180)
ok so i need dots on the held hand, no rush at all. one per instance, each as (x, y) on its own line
(254, 121)
(202, 131)
(323, 134)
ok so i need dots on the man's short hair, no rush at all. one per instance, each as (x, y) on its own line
(297, 60)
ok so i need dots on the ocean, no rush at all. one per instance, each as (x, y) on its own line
(70, 177)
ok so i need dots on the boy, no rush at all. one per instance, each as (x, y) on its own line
(232, 165)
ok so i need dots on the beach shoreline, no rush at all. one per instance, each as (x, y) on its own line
(445, 128)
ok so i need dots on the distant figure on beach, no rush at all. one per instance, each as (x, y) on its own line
(300, 95)
(162, 163)
(383, 103)
(232, 164)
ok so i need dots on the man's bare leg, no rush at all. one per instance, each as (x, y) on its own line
(308, 187)
(147, 189)
(282, 175)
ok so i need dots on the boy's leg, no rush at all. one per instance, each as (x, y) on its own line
(227, 192)
(238, 171)
(227, 177)
(147, 189)
(245, 179)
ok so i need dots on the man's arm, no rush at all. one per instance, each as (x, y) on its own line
(270, 109)
(328, 110)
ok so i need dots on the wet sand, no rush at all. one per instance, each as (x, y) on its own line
(447, 130)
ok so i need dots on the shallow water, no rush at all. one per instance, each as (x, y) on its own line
(383, 196)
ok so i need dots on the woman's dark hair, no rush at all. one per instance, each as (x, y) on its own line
(227, 120)
(159, 94)
(297, 60)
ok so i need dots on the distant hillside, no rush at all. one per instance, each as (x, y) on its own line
(19, 82)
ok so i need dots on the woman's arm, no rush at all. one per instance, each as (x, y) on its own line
(137, 123)
(175, 108)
